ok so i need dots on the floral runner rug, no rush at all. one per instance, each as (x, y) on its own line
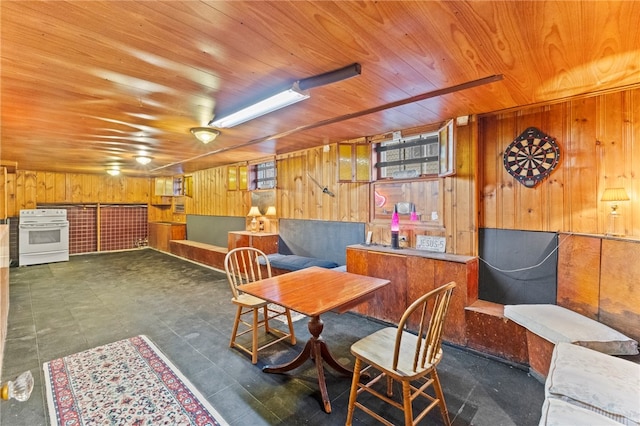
(129, 382)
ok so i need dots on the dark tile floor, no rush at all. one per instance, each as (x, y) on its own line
(184, 308)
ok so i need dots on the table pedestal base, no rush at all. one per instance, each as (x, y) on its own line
(317, 350)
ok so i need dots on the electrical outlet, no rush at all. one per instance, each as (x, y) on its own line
(402, 238)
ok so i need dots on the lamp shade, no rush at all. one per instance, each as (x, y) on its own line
(254, 211)
(614, 194)
(395, 220)
(271, 211)
(205, 134)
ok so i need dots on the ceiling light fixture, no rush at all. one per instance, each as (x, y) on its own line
(113, 172)
(273, 103)
(296, 93)
(143, 159)
(205, 134)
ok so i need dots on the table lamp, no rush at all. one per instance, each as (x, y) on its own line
(254, 212)
(614, 195)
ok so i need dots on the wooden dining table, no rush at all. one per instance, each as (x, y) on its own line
(314, 291)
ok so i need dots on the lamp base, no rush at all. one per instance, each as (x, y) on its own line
(395, 243)
(615, 226)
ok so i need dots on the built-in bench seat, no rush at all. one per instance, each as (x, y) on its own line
(588, 387)
(547, 325)
(292, 262)
(204, 253)
(207, 239)
(306, 243)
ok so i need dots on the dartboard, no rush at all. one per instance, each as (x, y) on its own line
(531, 157)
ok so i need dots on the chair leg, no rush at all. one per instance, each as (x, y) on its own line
(236, 323)
(254, 337)
(291, 332)
(265, 312)
(353, 394)
(440, 395)
(406, 403)
(389, 386)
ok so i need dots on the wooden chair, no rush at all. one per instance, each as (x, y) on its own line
(400, 355)
(243, 265)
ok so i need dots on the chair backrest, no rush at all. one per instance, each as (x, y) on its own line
(431, 309)
(245, 265)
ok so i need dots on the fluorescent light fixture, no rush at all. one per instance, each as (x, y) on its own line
(275, 102)
(205, 134)
(143, 159)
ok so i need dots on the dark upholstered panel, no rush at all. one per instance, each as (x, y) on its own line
(213, 229)
(516, 277)
(320, 239)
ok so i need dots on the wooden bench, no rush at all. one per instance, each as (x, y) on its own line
(207, 254)
(547, 325)
(490, 332)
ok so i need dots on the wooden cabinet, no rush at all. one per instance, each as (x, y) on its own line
(160, 233)
(265, 241)
(354, 162)
(413, 273)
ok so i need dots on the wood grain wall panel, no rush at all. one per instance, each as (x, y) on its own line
(554, 218)
(4, 288)
(487, 179)
(463, 201)
(579, 274)
(3, 193)
(28, 190)
(599, 149)
(584, 167)
(11, 195)
(631, 119)
(620, 286)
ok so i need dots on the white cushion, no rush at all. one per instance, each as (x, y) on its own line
(556, 412)
(557, 324)
(601, 383)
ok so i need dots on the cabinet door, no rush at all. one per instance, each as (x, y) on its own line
(267, 243)
(389, 302)
(354, 162)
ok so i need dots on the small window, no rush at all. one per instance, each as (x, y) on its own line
(263, 175)
(408, 157)
(427, 154)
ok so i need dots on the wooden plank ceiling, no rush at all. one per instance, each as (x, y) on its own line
(89, 84)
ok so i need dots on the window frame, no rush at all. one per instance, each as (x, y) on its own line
(442, 141)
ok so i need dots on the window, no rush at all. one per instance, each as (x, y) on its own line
(263, 175)
(427, 154)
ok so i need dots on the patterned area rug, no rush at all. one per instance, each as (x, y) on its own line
(128, 382)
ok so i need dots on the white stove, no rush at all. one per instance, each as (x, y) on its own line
(43, 236)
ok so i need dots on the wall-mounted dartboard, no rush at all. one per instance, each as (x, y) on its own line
(531, 157)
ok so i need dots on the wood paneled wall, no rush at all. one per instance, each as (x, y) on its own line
(598, 139)
(298, 197)
(4, 288)
(29, 189)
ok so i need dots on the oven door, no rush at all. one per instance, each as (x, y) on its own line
(44, 237)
